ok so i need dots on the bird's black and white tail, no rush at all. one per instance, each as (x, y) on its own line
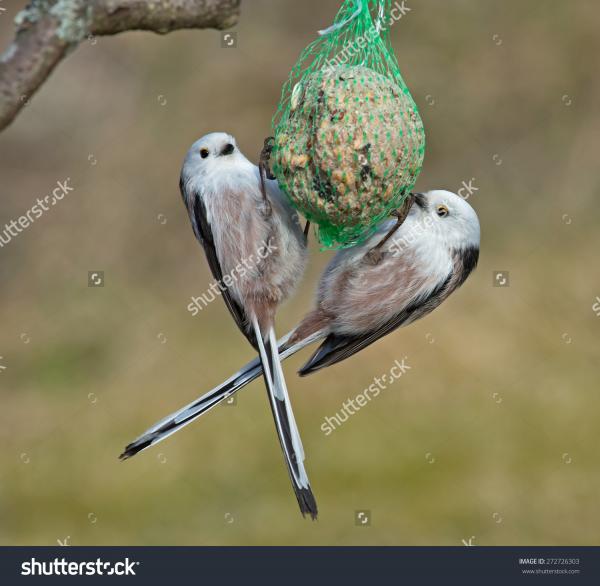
(285, 423)
(178, 420)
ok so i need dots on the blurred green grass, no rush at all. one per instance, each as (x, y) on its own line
(504, 401)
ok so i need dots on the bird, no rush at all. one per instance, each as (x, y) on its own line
(256, 251)
(361, 299)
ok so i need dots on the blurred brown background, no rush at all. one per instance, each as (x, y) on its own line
(494, 432)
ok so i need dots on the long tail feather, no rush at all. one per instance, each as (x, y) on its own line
(178, 420)
(285, 423)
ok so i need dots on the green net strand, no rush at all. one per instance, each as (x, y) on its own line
(349, 141)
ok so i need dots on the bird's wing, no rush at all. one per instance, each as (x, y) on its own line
(205, 237)
(338, 347)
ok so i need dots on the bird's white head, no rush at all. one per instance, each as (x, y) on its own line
(215, 154)
(453, 219)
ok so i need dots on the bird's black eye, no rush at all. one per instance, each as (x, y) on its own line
(442, 211)
(204, 153)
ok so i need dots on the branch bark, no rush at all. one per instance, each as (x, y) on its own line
(47, 30)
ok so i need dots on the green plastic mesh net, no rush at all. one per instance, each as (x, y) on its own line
(349, 141)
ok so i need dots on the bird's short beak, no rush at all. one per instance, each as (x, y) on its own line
(420, 200)
(227, 150)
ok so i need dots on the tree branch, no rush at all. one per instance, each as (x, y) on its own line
(47, 30)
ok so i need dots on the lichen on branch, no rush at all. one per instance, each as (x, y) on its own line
(47, 30)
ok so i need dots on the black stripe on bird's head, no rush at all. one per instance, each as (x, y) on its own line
(465, 262)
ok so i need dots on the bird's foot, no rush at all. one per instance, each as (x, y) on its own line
(374, 256)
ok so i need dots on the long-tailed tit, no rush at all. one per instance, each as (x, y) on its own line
(257, 252)
(360, 300)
